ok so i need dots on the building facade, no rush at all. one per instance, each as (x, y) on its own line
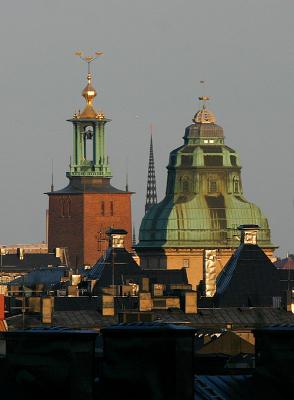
(81, 213)
(203, 206)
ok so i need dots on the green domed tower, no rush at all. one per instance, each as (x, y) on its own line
(203, 206)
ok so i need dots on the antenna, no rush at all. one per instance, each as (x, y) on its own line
(52, 176)
(127, 175)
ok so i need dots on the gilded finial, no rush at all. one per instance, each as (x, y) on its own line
(89, 92)
(204, 116)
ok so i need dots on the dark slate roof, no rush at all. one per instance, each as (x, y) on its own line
(46, 276)
(75, 303)
(166, 276)
(224, 387)
(204, 319)
(221, 317)
(286, 279)
(248, 279)
(79, 185)
(124, 264)
(126, 269)
(285, 263)
(78, 319)
(12, 263)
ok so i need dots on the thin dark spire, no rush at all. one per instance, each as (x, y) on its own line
(52, 177)
(134, 236)
(151, 194)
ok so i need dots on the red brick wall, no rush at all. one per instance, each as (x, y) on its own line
(103, 211)
(67, 230)
(2, 314)
(78, 230)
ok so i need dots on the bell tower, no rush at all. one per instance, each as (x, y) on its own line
(82, 212)
(88, 128)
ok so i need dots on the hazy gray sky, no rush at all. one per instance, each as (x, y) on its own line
(156, 52)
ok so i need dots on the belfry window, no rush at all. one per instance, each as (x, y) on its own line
(88, 143)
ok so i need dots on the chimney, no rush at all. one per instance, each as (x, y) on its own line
(47, 310)
(190, 302)
(116, 238)
(248, 233)
(289, 301)
(20, 253)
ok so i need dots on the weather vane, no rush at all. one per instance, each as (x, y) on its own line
(88, 59)
(203, 98)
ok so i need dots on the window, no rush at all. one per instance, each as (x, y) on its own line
(212, 186)
(102, 209)
(213, 161)
(233, 160)
(111, 208)
(211, 141)
(68, 207)
(65, 207)
(62, 208)
(205, 141)
(187, 161)
(186, 263)
(236, 185)
(185, 185)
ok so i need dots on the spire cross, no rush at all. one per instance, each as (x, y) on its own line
(88, 60)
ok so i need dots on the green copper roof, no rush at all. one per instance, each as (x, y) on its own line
(204, 202)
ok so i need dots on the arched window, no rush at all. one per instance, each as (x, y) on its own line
(185, 185)
(62, 207)
(236, 185)
(212, 186)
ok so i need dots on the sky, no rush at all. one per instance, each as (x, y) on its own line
(156, 52)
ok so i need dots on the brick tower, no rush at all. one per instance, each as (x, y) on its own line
(81, 213)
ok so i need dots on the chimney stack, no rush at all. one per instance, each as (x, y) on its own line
(248, 233)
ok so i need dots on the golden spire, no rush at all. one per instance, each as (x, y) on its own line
(204, 116)
(89, 92)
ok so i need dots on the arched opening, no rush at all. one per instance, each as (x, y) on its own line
(185, 184)
(236, 188)
(88, 142)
